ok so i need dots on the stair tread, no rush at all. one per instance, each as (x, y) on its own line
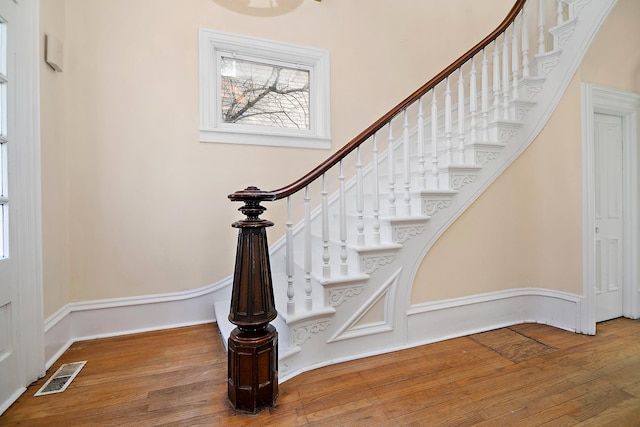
(343, 280)
(437, 192)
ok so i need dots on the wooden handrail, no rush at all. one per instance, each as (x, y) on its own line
(252, 304)
(253, 193)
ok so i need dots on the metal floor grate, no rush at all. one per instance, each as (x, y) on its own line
(61, 379)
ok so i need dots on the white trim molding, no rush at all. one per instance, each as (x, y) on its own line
(428, 322)
(440, 320)
(85, 320)
(27, 133)
(453, 318)
(213, 45)
(604, 100)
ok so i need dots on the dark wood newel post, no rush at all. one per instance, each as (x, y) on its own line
(253, 344)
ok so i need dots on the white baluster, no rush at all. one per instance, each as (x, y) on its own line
(541, 24)
(421, 162)
(291, 305)
(496, 81)
(326, 256)
(376, 193)
(307, 250)
(392, 177)
(447, 122)
(434, 142)
(473, 110)
(407, 166)
(485, 96)
(506, 85)
(359, 199)
(525, 45)
(344, 267)
(560, 12)
(515, 66)
(460, 117)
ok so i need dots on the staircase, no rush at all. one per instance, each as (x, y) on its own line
(359, 225)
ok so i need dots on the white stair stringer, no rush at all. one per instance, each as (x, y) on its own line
(432, 201)
(368, 311)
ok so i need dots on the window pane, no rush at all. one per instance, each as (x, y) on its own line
(3, 169)
(4, 230)
(4, 208)
(264, 94)
(3, 107)
(3, 80)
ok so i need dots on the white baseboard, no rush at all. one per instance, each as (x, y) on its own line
(441, 320)
(4, 405)
(426, 323)
(86, 320)
(437, 321)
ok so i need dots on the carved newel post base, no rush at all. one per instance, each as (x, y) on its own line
(253, 369)
(253, 345)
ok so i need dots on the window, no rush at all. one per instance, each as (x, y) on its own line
(255, 91)
(4, 167)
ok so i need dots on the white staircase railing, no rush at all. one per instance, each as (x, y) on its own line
(467, 127)
(349, 217)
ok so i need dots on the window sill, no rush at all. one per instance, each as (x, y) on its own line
(271, 139)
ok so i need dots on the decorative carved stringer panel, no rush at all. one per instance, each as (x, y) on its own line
(352, 328)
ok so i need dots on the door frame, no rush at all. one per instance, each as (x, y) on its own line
(603, 100)
(29, 174)
(28, 239)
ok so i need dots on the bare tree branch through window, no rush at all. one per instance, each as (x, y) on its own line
(264, 94)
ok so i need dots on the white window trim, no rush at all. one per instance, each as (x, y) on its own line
(213, 43)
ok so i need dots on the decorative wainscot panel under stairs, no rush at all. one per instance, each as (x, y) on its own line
(342, 276)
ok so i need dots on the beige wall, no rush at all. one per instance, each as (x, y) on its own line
(614, 58)
(526, 229)
(55, 196)
(135, 204)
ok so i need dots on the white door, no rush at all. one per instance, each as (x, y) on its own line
(21, 324)
(608, 216)
(10, 367)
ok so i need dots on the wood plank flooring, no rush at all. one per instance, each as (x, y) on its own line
(524, 375)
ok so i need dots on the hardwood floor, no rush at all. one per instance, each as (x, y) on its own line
(524, 375)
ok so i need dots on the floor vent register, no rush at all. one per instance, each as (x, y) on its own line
(61, 379)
